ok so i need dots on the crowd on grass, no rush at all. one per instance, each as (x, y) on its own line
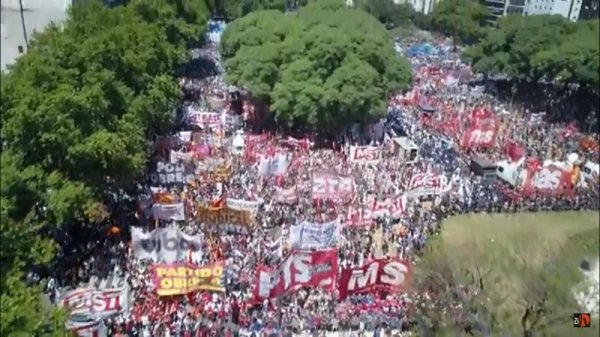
(442, 96)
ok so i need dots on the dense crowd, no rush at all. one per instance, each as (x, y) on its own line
(103, 253)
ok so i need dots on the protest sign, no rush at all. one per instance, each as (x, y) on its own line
(298, 269)
(183, 278)
(165, 245)
(389, 275)
(308, 235)
(226, 219)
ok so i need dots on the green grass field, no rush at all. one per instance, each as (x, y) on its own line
(512, 248)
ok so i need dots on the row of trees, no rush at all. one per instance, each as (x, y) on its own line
(76, 113)
(326, 65)
(540, 47)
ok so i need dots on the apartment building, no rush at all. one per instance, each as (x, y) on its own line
(19, 19)
(567, 8)
(499, 8)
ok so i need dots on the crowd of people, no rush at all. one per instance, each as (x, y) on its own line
(441, 84)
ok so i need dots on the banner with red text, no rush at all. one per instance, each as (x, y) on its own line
(375, 208)
(182, 278)
(389, 275)
(427, 184)
(203, 119)
(365, 154)
(298, 269)
(332, 186)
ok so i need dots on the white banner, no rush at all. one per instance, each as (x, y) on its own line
(174, 212)
(179, 156)
(286, 196)
(89, 306)
(203, 118)
(308, 235)
(244, 205)
(273, 166)
(428, 184)
(365, 154)
(167, 245)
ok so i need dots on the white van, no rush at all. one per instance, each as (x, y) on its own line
(590, 169)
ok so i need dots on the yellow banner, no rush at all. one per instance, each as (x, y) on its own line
(182, 278)
(223, 216)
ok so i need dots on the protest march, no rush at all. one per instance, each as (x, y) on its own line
(235, 231)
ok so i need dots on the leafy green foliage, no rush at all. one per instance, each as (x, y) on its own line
(540, 47)
(387, 12)
(76, 111)
(233, 9)
(326, 66)
(461, 19)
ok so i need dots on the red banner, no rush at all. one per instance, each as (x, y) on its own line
(299, 269)
(548, 178)
(482, 136)
(374, 208)
(482, 130)
(389, 275)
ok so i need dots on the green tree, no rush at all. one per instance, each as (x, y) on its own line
(326, 67)
(233, 9)
(76, 112)
(541, 47)
(460, 19)
(387, 12)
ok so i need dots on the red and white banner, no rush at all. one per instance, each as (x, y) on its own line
(304, 144)
(204, 119)
(427, 184)
(365, 154)
(483, 136)
(548, 178)
(299, 269)
(373, 209)
(286, 196)
(332, 186)
(388, 275)
(87, 307)
(482, 130)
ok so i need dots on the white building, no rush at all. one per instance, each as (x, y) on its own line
(567, 8)
(20, 18)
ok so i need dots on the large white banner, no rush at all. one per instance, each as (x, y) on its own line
(428, 184)
(88, 307)
(365, 154)
(167, 245)
(308, 235)
(174, 212)
(244, 205)
(273, 166)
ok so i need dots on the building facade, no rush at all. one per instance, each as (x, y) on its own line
(21, 18)
(567, 8)
(589, 10)
(499, 8)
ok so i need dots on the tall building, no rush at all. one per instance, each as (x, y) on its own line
(589, 10)
(20, 18)
(567, 8)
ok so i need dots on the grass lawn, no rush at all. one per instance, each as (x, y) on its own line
(507, 246)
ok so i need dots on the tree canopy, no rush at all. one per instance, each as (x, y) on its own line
(233, 9)
(324, 66)
(461, 19)
(76, 114)
(540, 47)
